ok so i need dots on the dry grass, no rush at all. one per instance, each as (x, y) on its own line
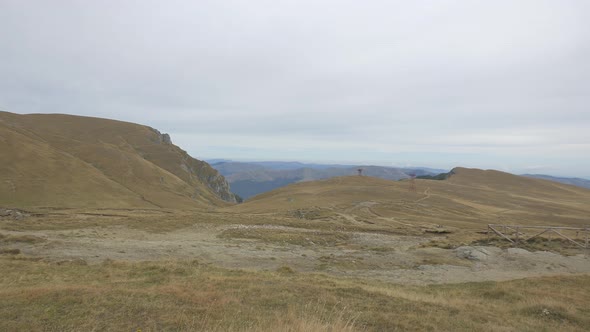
(155, 221)
(161, 221)
(469, 200)
(288, 237)
(74, 161)
(9, 251)
(188, 296)
(20, 238)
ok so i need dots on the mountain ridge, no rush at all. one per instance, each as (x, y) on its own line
(251, 179)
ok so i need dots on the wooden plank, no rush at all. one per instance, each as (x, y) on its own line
(565, 237)
(500, 234)
(553, 229)
(542, 227)
(541, 233)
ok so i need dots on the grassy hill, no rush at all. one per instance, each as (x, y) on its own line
(251, 179)
(73, 161)
(469, 198)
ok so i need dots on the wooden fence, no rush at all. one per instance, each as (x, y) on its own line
(518, 234)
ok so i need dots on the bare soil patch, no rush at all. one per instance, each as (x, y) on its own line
(256, 245)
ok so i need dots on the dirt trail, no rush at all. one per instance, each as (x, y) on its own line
(391, 258)
(427, 193)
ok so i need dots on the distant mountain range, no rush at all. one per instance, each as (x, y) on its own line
(584, 183)
(248, 179)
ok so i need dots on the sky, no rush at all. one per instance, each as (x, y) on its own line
(489, 84)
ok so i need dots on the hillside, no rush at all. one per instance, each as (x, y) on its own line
(470, 198)
(73, 161)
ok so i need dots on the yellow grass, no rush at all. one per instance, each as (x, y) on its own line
(188, 296)
(460, 206)
(107, 169)
(74, 161)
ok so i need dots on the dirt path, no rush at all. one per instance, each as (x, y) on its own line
(427, 193)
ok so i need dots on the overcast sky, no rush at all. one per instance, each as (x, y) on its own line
(487, 84)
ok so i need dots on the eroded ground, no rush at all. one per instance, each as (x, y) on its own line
(269, 242)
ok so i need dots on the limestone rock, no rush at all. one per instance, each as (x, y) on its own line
(12, 214)
(472, 253)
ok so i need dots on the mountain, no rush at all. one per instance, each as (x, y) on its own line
(467, 199)
(253, 178)
(293, 165)
(228, 167)
(73, 161)
(584, 183)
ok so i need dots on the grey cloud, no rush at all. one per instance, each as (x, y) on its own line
(423, 75)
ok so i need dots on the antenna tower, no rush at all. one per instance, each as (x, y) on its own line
(412, 187)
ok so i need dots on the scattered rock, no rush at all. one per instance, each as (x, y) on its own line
(12, 214)
(472, 253)
(438, 230)
(517, 251)
(166, 139)
(161, 138)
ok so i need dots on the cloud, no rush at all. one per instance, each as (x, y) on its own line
(502, 82)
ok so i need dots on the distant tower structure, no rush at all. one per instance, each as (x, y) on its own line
(412, 187)
(360, 170)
